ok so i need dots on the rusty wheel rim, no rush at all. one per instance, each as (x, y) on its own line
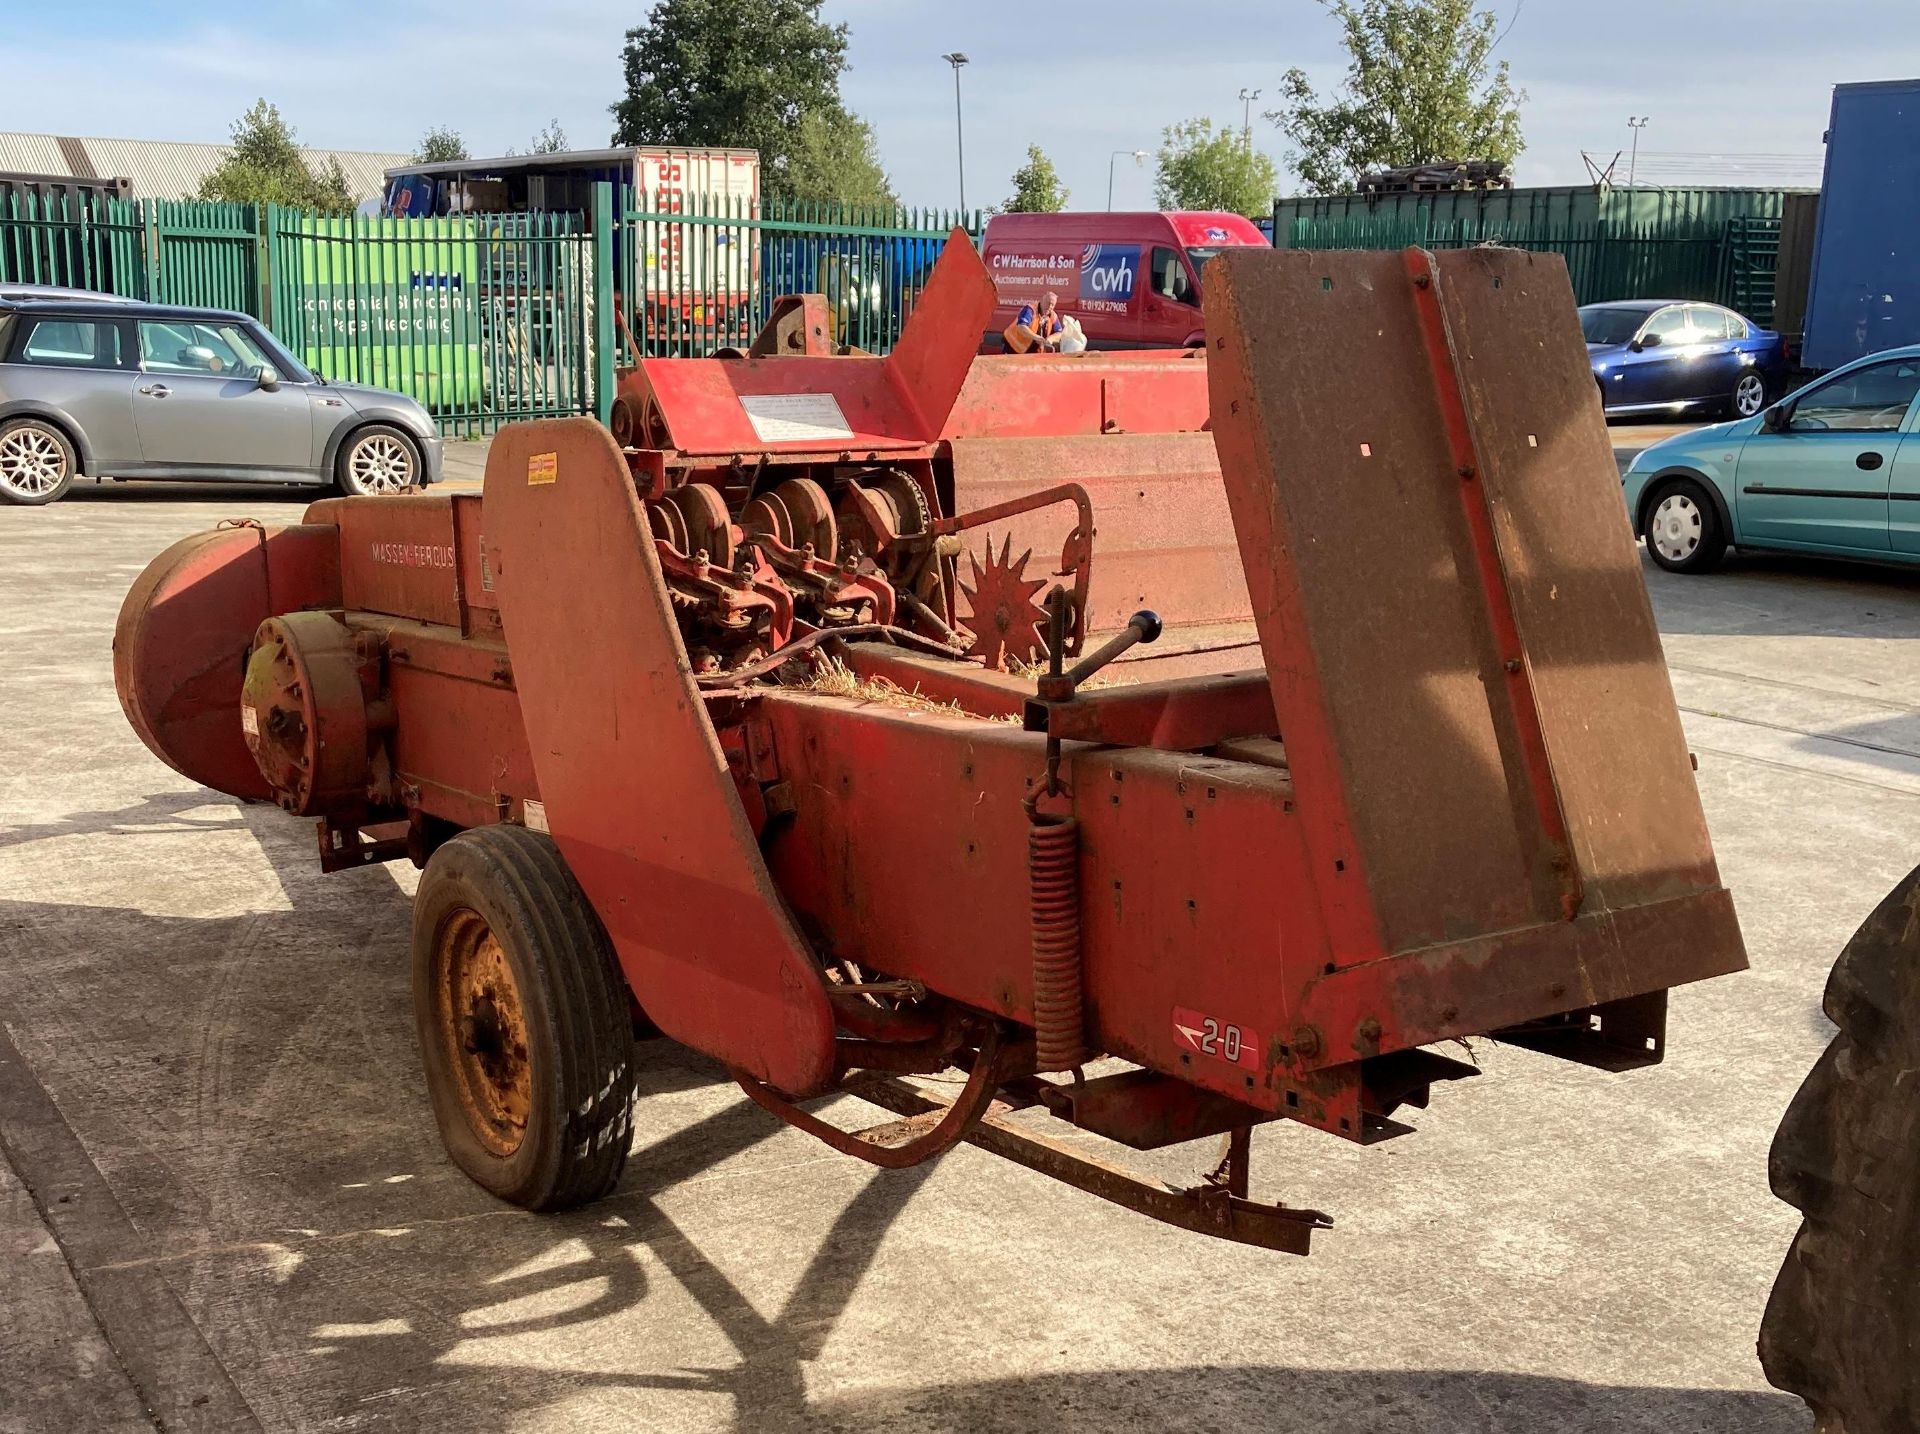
(483, 1029)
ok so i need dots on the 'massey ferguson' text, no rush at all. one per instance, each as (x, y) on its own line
(413, 555)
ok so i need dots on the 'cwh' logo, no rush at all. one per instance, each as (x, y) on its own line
(1107, 270)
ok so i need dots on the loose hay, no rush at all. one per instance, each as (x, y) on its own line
(831, 677)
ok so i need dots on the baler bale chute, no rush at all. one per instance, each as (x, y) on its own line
(702, 720)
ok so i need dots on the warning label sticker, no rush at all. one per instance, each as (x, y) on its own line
(249, 721)
(795, 417)
(535, 815)
(542, 468)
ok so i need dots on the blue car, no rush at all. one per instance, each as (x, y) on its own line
(1833, 469)
(1670, 355)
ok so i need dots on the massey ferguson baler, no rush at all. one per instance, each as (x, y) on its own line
(702, 724)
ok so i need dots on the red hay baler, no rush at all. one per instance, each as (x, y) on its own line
(747, 722)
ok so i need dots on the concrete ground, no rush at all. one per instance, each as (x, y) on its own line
(223, 1204)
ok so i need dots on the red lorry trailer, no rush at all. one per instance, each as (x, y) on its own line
(706, 727)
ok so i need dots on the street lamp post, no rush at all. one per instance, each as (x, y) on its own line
(1139, 155)
(957, 59)
(1636, 125)
(1247, 97)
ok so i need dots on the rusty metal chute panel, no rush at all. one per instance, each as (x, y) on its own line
(1443, 592)
(1579, 600)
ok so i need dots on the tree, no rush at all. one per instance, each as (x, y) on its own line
(551, 140)
(1419, 90)
(1036, 186)
(440, 144)
(1204, 168)
(741, 73)
(264, 165)
(835, 160)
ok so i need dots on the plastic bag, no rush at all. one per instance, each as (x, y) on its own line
(1073, 339)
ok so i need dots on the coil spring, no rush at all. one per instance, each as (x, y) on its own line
(1053, 873)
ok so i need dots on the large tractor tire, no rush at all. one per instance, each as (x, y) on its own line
(526, 1031)
(1842, 1329)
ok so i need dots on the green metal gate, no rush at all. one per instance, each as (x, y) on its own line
(484, 318)
(203, 254)
(1749, 279)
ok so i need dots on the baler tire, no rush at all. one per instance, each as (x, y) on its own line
(1842, 1328)
(574, 1011)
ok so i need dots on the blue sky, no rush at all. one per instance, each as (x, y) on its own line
(1080, 77)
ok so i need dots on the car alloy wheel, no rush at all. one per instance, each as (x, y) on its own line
(1675, 527)
(32, 462)
(381, 463)
(1749, 395)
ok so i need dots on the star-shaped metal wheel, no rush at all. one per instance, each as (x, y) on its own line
(1007, 625)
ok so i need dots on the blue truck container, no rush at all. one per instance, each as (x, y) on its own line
(1865, 291)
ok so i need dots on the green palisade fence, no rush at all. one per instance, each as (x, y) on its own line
(77, 242)
(1684, 244)
(490, 318)
(1543, 209)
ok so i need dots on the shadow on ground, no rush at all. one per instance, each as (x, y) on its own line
(249, 1089)
(212, 491)
(1787, 595)
(1282, 1400)
(598, 1263)
(158, 813)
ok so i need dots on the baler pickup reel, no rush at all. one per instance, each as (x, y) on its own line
(1412, 773)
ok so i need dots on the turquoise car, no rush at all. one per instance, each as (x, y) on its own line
(1833, 469)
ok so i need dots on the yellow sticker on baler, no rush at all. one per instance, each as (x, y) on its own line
(543, 468)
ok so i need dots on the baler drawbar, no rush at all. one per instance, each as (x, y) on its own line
(751, 719)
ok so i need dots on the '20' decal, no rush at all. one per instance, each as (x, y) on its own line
(1210, 1036)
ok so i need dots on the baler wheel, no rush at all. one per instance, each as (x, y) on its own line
(523, 1019)
(1842, 1329)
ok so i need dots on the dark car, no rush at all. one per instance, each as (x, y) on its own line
(1672, 355)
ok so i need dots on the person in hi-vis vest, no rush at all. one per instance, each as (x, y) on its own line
(1034, 330)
